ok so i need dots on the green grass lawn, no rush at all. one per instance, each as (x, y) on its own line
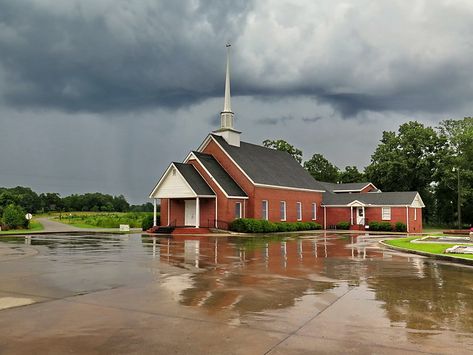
(34, 226)
(433, 248)
(101, 219)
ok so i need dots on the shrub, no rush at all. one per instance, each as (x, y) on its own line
(385, 226)
(400, 227)
(14, 217)
(249, 225)
(313, 226)
(343, 225)
(147, 222)
(374, 226)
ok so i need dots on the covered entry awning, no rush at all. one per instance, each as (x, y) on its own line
(183, 181)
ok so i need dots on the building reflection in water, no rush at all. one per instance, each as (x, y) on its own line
(251, 275)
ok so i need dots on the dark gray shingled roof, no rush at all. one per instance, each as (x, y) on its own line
(220, 175)
(269, 166)
(194, 179)
(379, 199)
(353, 186)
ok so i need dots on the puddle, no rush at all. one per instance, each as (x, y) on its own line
(271, 282)
(10, 302)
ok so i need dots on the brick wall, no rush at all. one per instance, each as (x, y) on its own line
(275, 196)
(258, 194)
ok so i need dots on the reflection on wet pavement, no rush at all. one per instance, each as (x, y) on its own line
(325, 292)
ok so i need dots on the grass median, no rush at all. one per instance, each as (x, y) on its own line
(431, 248)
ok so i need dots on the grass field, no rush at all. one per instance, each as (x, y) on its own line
(34, 226)
(433, 248)
(101, 219)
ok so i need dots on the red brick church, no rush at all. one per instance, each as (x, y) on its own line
(226, 178)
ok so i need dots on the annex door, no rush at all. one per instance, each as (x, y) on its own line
(360, 215)
(189, 215)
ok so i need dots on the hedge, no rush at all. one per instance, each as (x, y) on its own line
(343, 225)
(400, 227)
(380, 226)
(251, 225)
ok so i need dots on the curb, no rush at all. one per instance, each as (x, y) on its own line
(430, 255)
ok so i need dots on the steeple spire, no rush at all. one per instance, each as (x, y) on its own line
(226, 116)
(226, 129)
(227, 106)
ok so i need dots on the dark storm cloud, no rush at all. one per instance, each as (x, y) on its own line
(274, 120)
(311, 119)
(118, 56)
(122, 57)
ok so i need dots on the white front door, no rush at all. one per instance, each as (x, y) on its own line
(189, 216)
(360, 215)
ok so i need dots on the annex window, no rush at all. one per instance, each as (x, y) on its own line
(386, 213)
(264, 209)
(314, 211)
(299, 210)
(238, 210)
(282, 210)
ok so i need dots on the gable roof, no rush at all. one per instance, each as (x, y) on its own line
(268, 166)
(346, 187)
(403, 198)
(225, 181)
(194, 179)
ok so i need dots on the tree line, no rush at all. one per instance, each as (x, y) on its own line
(435, 161)
(32, 202)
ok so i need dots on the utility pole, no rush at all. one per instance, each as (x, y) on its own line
(458, 201)
(459, 212)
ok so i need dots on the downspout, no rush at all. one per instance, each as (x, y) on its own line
(216, 215)
(197, 212)
(407, 214)
(325, 218)
(169, 211)
(154, 212)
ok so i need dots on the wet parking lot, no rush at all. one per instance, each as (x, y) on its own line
(311, 294)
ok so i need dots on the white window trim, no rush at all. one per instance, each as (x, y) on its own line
(299, 208)
(314, 211)
(241, 214)
(415, 214)
(285, 210)
(383, 213)
(266, 217)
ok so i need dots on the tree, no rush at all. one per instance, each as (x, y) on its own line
(14, 217)
(455, 163)
(351, 174)
(284, 146)
(407, 161)
(321, 169)
(50, 201)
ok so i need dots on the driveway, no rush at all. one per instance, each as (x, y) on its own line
(53, 226)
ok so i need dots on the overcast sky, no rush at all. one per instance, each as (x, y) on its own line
(101, 95)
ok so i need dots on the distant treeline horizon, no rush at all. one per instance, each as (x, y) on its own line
(33, 202)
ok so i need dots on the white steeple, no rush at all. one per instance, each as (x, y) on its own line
(226, 116)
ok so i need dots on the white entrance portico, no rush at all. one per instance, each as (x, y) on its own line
(357, 213)
(183, 188)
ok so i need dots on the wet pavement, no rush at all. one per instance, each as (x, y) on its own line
(95, 294)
